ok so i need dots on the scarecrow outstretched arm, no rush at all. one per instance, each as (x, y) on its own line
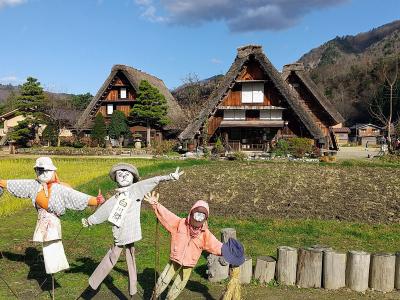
(213, 245)
(167, 218)
(146, 186)
(103, 212)
(21, 188)
(76, 200)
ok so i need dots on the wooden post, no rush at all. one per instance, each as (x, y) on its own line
(333, 270)
(397, 272)
(286, 265)
(215, 271)
(357, 270)
(381, 277)
(265, 269)
(309, 268)
(246, 270)
(227, 233)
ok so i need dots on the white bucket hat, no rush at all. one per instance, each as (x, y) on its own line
(45, 163)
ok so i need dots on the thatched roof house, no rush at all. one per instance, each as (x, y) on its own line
(119, 92)
(254, 105)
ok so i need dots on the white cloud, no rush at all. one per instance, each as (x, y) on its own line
(216, 61)
(239, 15)
(4, 3)
(10, 79)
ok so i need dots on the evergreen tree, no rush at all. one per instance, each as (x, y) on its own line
(50, 134)
(150, 107)
(99, 130)
(31, 103)
(81, 101)
(118, 127)
(23, 133)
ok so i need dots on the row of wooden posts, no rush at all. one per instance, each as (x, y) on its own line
(316, 267)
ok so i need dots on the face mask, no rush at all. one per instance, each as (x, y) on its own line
(124, 178)
(44, 176)
(199, 216)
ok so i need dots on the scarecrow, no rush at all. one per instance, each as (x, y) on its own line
(51, 198)
(189, 237)
(123, 211)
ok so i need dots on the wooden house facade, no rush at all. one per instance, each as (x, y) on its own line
(366, 133)
(119, 92)
(255, 105)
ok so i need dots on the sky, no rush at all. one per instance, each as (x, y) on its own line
(71, 45)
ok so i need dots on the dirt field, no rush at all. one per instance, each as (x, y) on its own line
(291, 190)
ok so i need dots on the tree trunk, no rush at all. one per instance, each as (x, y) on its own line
(286, 265)
(148, 137)
(216, 272)
(334, 270)
(246, 270)
(382, 272)
(397, 274)
(227, 233)
(309, 268)
(357, 270)
(265, 269)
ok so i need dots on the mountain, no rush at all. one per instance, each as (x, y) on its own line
(349, 70)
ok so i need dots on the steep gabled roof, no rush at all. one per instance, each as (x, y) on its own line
(134, 77)
(244, 55)
(299, 70)
(6, 115)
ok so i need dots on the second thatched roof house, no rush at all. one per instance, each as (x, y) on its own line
(255, 104)
(119, 92)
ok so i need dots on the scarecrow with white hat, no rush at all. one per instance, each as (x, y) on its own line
(51, 198)
(123, 211)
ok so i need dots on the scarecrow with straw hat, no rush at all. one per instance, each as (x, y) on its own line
(189, 237)
(51, 198)
(123, 211)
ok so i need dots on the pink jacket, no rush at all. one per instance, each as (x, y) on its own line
(185, 250)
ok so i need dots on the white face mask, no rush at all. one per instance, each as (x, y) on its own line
(124, 178)
(199, 216)
(44, 176)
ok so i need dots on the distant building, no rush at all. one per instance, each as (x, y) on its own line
(342, 135)
(363, 133)
(254, 105)
(119, 92)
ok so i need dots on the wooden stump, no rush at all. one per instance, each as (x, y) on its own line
(357, 270)
(227, 233)
(333, 270)
(246, 270)
(286, 265)
(382, 271)
(216, 272)
(265, 269)
(309, 268)
(397, 272)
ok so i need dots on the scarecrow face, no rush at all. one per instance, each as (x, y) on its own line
(43, 175)
(198, 216)
(124, 178)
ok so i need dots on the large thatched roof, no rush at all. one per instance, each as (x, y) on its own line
(299, 70)
(245, 54)
(134, 76)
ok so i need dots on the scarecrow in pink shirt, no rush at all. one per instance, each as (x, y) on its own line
(189, 237)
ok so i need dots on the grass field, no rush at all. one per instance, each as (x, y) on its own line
(261, 233)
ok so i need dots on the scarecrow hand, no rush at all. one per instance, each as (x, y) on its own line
(222, 261)
(85, 222)
(152, 198)
(100, 199)
(175, 176)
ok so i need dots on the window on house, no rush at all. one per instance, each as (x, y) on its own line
(271, 114)
(122, 93)
(253, 92)
(110, 109)
(234, 114)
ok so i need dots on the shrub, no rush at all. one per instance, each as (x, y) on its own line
(281, 148)
(298, 147)
(163, 147)
(219, 147)
(239, 155)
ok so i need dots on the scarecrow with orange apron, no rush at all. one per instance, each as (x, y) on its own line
(51, 198)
